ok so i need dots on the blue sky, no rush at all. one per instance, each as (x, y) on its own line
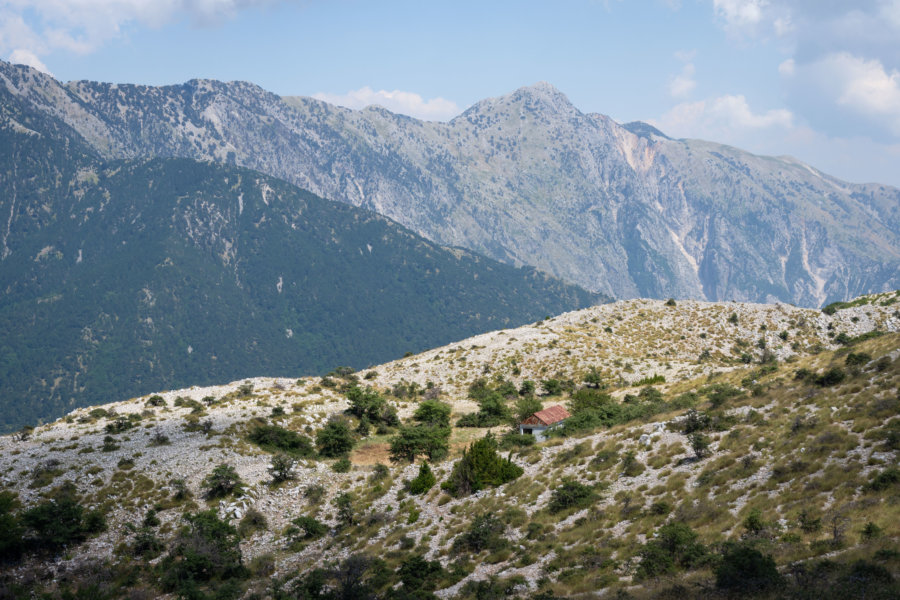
(817, 79)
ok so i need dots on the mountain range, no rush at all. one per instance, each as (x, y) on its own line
(120, 277)
(525, 178)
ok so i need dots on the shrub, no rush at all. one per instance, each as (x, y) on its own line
(857, 359)
(719, 393)
(252, 522)
(589, 399)
(884, 479)
(480, 466)
(423, 482)
(675, 546)
(416, 573)
(58, 522)
(304, 528)
(273, 438)
(631, 466)
(346, 513)
(695, 420)
(159, 439)
(744, 570)
(699, 444)
(206, 553)
(570, 494)
(670, 302)
(342, 465)
(527, 406)
(156, 400)
(11, 529)
(832, 376)
(335, 439)
(485, 533)
(282, 468)
(415, 440)
(223, 481)
(365, 402)
(379, 472)
(433, 412)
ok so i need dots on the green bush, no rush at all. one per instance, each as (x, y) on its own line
(884, 479)
(857, 359)
(304, 529)
(744, 570)
(480, 466)
(342, 465)
(832, 376)
(57, 522)
(206, 554)
(423, 482)
(416, 440)
(571, 494)
(485, 533)
(674, 547)
(223, 481)
(335, 439)
(273, 438)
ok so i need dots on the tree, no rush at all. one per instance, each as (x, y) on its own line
(480, 466)
(282, 468)
(593, 378)
(305, 528)
(699, 444)
(222, 482)
(589, 399)
(10, 528)
(570, 494)
(745, 570)
(424, 481)
(527, 406)
(207, 551)
(335, 439)
(365, 402)
(412, 441)
(433, 412)
(675, 546)
(345, 510)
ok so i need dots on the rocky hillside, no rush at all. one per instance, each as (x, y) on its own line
(124, 277)
(526, 178)
(714, 449)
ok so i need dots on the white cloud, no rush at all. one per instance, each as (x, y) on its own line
(861, 89)
(684, 83)
(82, 26)
(406, 103)
(27, 57)
(726, 118)
(740, 14)
(787, 67)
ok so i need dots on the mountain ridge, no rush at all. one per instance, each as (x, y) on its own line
(577, 195)
(128, 275)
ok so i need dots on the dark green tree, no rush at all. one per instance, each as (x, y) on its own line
(335, 439)
(222, 482)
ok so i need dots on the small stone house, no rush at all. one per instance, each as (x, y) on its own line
(542, 420)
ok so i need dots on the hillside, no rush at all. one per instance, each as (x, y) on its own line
(716, 449)
(525, 178)
(125, 277)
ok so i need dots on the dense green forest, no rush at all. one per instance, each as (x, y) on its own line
(124, 278)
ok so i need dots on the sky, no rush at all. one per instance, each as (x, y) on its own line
(815, 79)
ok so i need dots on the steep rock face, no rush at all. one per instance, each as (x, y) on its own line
(528, 179)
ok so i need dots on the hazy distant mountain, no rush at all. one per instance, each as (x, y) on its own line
(527, 179)
(124, 277)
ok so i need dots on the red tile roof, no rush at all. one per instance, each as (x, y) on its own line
(548, 416)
